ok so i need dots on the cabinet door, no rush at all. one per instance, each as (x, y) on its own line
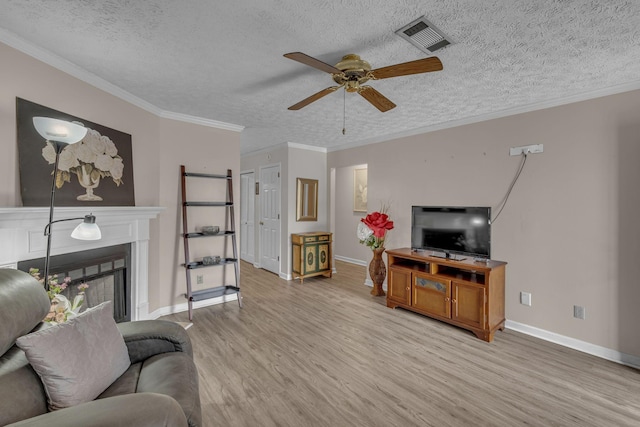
(468, 304)
(324, 258)
(310, 259)
(399, 286)
(431, 294)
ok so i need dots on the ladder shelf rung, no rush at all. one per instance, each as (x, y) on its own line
(208, 204)
(213, 293)
(206, 175)
(222, 233)
(198, 264)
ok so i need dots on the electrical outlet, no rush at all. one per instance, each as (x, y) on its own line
(525, 298)
(529, 149)
(199, 279)
(579, 312)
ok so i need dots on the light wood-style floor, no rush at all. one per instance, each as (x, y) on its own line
(326, 353)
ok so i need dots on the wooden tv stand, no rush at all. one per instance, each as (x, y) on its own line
(463, 292)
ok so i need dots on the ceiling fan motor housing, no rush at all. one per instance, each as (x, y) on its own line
(354, 72)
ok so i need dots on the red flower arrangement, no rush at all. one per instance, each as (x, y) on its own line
(373, 228)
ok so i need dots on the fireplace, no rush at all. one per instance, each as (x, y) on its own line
(22, 237)
(106, 270)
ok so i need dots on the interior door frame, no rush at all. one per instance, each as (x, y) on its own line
(250, 214)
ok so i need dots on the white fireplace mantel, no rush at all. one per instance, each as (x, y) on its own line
(22, 238)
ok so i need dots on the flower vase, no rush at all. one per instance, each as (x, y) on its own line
(378, 272)
(88, 181)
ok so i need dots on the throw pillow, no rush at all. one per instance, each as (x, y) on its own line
(77, 359)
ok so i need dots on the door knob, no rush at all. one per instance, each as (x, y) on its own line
(261, 223)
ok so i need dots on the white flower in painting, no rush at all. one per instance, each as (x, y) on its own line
(95, 142)
(109, 147)
(49, 153)
(117, 169)
(84, 153)
(68, 159)
(104, 162)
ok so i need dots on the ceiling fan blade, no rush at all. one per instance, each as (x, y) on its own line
(425, 65)
(377, 99)
(312, 62)
(314, 97)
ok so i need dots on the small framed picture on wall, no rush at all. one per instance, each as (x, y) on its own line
(360, 190)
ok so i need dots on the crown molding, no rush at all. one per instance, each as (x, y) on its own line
(28, 48)
(285, 146)
(201, 121)
(307, 147)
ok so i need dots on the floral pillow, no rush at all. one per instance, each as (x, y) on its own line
(77, 359)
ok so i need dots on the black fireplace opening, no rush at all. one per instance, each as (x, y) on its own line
(106, 270)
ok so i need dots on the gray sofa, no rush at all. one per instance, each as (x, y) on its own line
(160, 387)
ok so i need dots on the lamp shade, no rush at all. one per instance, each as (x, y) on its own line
(59, 130)
(87, 230)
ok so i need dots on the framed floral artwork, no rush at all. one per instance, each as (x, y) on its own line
(360, 190)
(97, 171)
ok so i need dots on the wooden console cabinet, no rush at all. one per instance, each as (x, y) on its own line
(311, 254)
(464, 293)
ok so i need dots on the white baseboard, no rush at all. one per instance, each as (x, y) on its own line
(351, 260)
(368, 282)
(583, 346)
(182, 307)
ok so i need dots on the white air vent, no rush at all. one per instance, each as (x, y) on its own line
(424, 35)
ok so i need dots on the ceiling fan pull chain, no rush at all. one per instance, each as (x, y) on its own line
(344, 112)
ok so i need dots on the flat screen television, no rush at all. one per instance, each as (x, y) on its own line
(451, 230)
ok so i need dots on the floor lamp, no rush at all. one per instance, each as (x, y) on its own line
(59, 134)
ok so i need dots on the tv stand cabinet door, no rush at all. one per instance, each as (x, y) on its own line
(468, 303)
(431, 295)
(399, 287)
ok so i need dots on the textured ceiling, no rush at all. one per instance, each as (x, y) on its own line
(222, 60)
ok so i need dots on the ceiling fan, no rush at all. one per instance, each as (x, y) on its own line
(351, 72)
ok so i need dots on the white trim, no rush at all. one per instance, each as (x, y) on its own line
(307, 147)
(285, 276)
(583, 346)
(350, 260)
(265, 150)
(201, 121)
(182, 307)
(28, 48)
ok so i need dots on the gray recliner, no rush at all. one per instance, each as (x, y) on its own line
(160, 388)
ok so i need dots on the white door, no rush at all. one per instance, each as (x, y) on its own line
(247, 215)
(270, 218)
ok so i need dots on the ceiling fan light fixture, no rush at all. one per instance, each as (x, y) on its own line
(424, 35)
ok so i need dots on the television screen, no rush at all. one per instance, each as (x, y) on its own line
(452, 230)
